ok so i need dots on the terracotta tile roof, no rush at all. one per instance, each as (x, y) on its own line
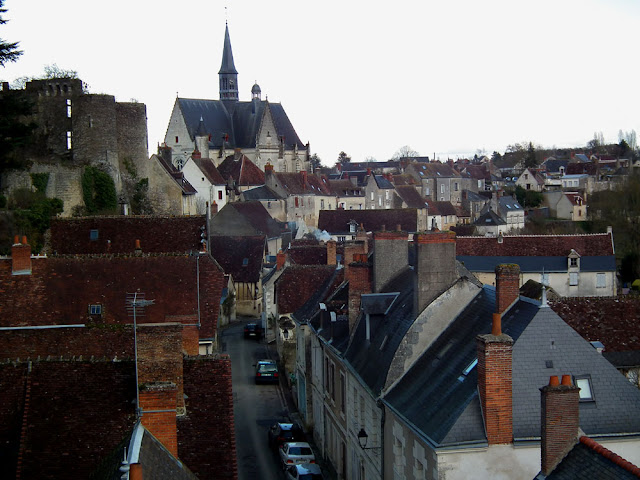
(242, 171)
(117, 234)
(258, 217)
(578, 168)
(210, 171)
(308, 254)
(410, 196)
(599, 244)
(240, 256)
(298, 283)
(337, 221)
(575, 198)
(60, 289)
(302, 183)
(612, 321)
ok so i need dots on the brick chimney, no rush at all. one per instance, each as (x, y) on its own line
(390, 256)
(331, 253)
(435, 268)
(361, 236)
(507, 286)
(495, 383)
(138, 248)
(160, 378)
(196, 154)
(281, 258)
(560, 421)
(158, 399)
(214, 208)
(20, 256)
(358, 274)
(268, 169)
(303, 173)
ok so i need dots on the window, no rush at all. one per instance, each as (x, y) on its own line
(93, 235)
(245, 262)
(68, 108)
(352, 228)
(573, 278)
(586, 391)
(68, 140)
(455, 186)
(372, 196)
(95, 309)
(574, 262)
(332, 377)
(176, 139)
(427, 192)
(321, 204)
(296, 201)
(219, 194)
(601, 280)
(442, 188)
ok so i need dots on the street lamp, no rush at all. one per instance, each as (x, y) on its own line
(362, 440)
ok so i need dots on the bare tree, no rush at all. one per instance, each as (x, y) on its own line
(405, 152)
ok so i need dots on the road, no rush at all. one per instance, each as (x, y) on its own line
(256, 407)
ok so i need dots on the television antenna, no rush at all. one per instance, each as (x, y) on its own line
(136, 301)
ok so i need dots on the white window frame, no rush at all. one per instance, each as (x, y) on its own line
(573, 279)
(601, 280)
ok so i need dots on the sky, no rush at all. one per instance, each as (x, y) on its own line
(446, 78)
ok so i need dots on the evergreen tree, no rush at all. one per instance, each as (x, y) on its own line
(8, 51)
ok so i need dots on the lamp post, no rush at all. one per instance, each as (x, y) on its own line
(362, 440)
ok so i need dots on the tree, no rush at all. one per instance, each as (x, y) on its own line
(596, 143)
(8, 51)
(315, 162)
(530, 159)
(405, 152)
(496, 157)
(15, 132)
(343, 158)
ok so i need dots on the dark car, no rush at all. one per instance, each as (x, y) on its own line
(284, 432)
(253, 330)
(267, 372)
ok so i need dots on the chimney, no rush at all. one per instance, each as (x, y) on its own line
(237, 154)
(214, 208)
(281, 258)
(158, 399)
(358, 274)
(268, 169)
(135, 471)
(390, 256)
(361, 236)
(138, 249)
(507, 286)
(495, 383)
(560, 421)
(20, 257)
(331, 253)
(368, 171)
(304, 179)
(196, 154)
(435, 266)
(160, 380)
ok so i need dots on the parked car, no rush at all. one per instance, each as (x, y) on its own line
(294, 453)
(304, 471)
(284, 432)
(253, 330)
(267, 371)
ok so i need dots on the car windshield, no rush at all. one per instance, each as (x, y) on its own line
(300, 451)
(268, 368)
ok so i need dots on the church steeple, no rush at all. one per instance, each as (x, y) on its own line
(228, 74)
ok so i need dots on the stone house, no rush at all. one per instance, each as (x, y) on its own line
(438, 181)
(379, 192)
(270, 200)
(347, 195)
(170, 193)
(572, 265)
(530, 180)
(210, 186)
(344, 225)
(567, 205)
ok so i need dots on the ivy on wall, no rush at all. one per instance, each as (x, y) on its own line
(40, 181)
(98, 192)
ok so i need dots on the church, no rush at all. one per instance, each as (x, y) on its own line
(258, 129)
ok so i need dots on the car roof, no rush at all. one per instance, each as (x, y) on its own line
(285, 426)
(298, 444)
(312, 468)
(267, 361)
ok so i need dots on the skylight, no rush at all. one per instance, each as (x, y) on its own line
(466, 371)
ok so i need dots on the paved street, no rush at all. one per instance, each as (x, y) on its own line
(256, 407)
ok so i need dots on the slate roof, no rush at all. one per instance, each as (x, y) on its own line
(240, 256)
(305, 312)
(531, 264)
(208, 168)
(554, 165)
(587, 462)
(612, 321)
(410, 196)
(246, 218)
(489, 218)
(344, 188)
(302, 183)
(441, 208)
(242, 126)
(383, 182)
(599, 244)
(434, 170)
(403, 179)
(308, 254)
(371, 360)
(298, 283)
(262, 192)
(242, 171)
(117, 234)
(337, 221)
(178, 177)
(438, 395)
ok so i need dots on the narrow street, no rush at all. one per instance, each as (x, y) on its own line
(256, 407)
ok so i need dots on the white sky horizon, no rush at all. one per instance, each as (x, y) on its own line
(444, 77)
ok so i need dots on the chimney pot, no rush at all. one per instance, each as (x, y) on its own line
(137, 244)
(566, 380)
(496, 327)
(554, 381)
(16, 240)
(24, 240)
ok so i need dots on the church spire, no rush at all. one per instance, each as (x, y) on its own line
(228, 74)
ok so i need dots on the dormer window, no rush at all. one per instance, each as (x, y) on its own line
(574, 262)
(95, 309)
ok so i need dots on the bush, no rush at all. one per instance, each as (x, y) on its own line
(99, 192)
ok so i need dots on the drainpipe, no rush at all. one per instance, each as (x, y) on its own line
(380, 405)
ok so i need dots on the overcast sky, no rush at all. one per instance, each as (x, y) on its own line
(367, 78)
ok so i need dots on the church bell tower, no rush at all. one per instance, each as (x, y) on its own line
(228, 75)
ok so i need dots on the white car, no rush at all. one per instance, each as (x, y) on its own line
(295, 453)
(304, 471)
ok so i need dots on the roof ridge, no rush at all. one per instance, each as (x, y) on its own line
(609, 455)
(538, 235)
